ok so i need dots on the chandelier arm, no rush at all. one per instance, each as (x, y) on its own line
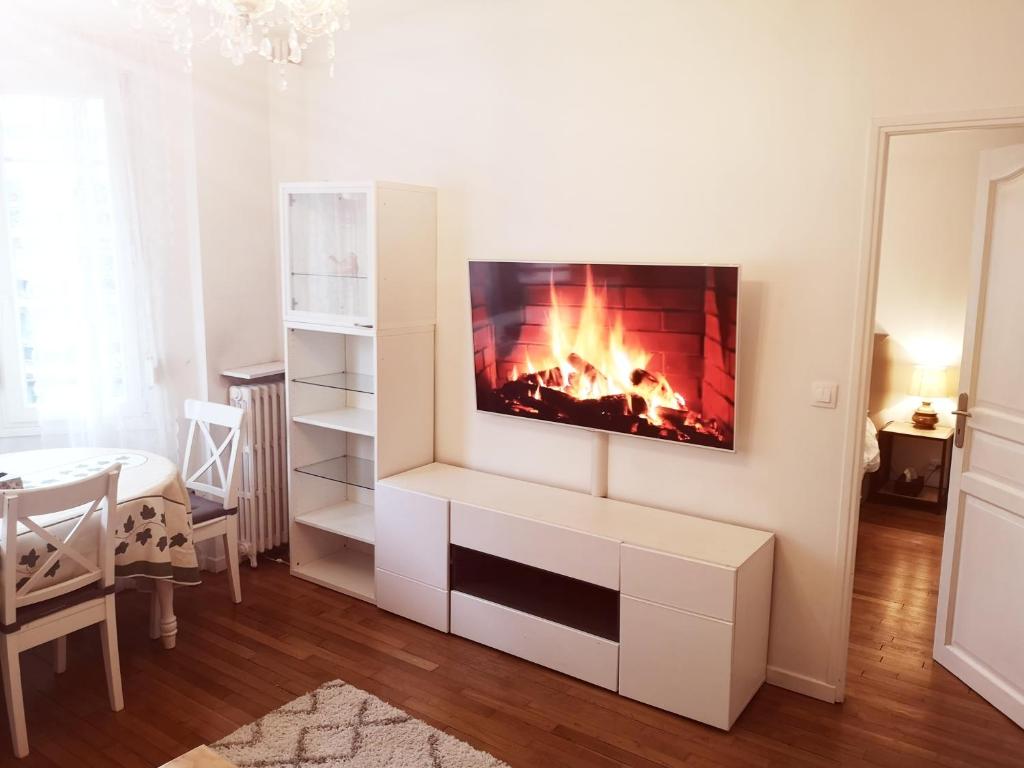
(276, 30)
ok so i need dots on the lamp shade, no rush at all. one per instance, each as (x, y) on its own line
(929, 382)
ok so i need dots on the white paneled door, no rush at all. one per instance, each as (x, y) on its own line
(979, 629)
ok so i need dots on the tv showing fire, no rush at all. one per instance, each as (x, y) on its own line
(647, 350)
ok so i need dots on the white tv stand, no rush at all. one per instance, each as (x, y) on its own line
(665, 608)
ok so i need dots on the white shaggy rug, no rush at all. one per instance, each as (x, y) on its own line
(338, 725)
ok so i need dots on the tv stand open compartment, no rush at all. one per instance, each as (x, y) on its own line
(570, 602)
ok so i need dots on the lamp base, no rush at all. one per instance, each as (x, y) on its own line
(925, 416)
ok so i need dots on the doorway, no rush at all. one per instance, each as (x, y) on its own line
(919, 252)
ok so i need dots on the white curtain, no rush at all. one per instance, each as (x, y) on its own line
(94, 134)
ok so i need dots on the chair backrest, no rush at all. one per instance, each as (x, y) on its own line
(97, 496)
(216, 461)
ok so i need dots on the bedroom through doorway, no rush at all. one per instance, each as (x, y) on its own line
(922, 295)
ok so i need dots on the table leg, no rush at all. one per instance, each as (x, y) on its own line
(168, 621)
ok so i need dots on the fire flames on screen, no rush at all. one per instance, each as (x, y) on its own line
(645, 350)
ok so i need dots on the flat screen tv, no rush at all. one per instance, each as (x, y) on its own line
(647, 350)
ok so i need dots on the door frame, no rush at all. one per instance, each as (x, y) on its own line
(882, 131)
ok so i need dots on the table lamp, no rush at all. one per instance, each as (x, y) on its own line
(927, 383)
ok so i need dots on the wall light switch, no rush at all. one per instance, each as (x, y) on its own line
(824, 394)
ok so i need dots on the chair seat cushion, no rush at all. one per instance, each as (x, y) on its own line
(44, 608)
(204, 510)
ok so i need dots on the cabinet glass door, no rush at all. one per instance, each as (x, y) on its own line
(329, 256)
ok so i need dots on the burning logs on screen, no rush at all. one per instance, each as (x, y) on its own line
(579, 393)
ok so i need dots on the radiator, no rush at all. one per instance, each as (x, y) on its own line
(263, 495)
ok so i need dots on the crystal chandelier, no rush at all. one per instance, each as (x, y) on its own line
(278, 30)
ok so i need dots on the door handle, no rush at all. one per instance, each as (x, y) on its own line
(962, 414)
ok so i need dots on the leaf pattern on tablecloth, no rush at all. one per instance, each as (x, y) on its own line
(145, 538)
(30, 558)
(152, 534)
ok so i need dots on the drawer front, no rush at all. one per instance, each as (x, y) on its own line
(676, 661)
(412, 599)
(575, 653)
(560, 550)
(411, 535)
(675, 581)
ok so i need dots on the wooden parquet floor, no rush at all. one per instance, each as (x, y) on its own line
(235, 663)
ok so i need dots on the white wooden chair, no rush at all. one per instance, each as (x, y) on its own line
(35, 612)
(214, 476)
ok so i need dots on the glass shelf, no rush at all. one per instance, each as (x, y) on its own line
(350, 470)
(350, 382)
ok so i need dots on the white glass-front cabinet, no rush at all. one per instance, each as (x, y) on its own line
(329, 253)
(358, 274)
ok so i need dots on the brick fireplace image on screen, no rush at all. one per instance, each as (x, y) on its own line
(646, 350)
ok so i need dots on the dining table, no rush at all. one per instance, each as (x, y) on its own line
(152, 537)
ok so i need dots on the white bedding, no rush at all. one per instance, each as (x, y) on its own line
(872, 456)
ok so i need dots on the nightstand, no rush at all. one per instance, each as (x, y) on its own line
(931, 498)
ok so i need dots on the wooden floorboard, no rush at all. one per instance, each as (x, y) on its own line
(235, 663)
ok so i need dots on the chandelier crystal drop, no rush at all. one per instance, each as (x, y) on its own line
(279, 31)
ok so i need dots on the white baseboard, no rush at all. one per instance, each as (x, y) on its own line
(213, 564)
(210, 554)
(808, 686)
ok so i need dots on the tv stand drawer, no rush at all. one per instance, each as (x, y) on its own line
(677, 661)
(411, 531)
(412, 599)
(544, 642)
(572, 553)
(678, 582)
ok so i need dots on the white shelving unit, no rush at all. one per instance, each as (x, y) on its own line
(358, 275)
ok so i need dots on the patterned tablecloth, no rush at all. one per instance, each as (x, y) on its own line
(153, 534)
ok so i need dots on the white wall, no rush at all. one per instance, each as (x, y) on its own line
(663, 131)
(237, 272)
(235, 206)
(930, 195)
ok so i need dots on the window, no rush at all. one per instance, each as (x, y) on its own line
(65, 308)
